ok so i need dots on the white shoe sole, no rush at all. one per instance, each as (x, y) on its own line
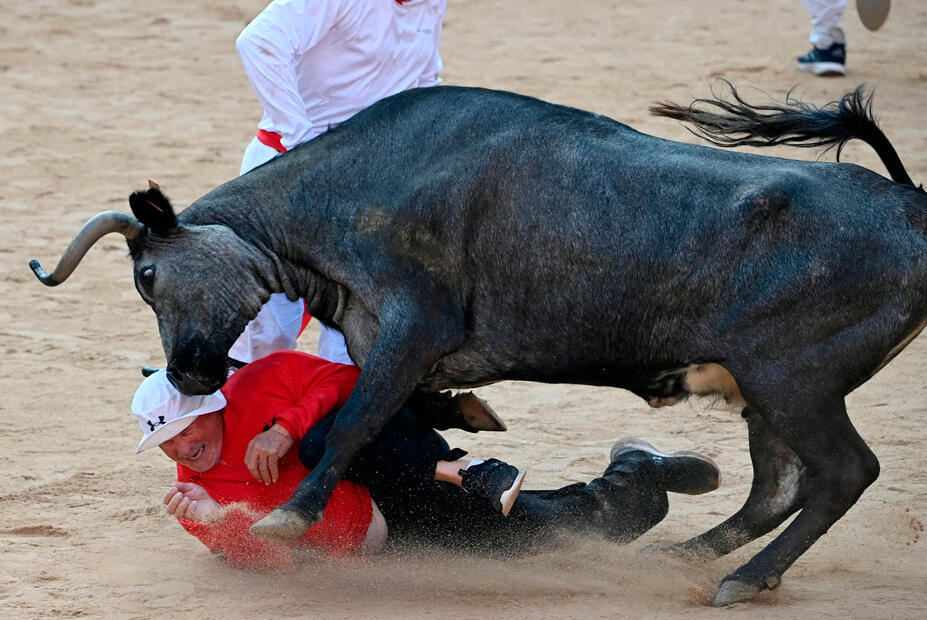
(508, 498)
(823, 68)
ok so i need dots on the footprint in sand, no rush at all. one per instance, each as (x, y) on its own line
(34, 530)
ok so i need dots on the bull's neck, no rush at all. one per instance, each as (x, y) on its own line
(290, 232)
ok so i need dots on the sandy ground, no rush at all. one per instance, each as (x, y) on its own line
(100, 95)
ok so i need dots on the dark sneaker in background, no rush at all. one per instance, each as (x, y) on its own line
(678, 472)
(494, 480)
(825, 62)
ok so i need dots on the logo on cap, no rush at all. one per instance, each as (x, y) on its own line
(154, 425)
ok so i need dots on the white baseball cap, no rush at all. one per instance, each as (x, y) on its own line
(163, 412)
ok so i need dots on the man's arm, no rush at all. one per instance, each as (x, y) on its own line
(296, 390)
(432, 75)
(291, 392)
(268, 48)
(224, 529)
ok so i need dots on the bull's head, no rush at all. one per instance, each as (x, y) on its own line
(203, 282)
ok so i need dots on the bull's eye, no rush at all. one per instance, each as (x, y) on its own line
(147, 277)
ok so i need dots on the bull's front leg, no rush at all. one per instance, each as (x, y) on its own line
(411, 339)
(838, 468)
(779, 489)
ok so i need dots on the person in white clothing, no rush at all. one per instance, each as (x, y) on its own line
(828, 51)
(313, 64)
(276, 327)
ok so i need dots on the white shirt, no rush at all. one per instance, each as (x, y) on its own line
(316, 63)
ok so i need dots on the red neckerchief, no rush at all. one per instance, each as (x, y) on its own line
(271, 139)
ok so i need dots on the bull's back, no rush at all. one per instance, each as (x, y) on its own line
(582, 250)
(588, 250)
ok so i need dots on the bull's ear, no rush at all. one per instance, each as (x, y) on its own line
(153, 209)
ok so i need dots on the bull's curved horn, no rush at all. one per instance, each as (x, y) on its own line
(99, 225)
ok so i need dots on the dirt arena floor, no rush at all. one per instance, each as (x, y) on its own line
(97, 96)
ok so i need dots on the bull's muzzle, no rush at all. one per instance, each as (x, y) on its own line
(198, 367)
(193, 386)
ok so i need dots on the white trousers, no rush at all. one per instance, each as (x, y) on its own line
(826, 16)
(256, 153)
(278, 323)
(274, 328)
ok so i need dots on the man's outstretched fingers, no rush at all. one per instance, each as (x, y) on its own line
(272, 467)
(264, 468)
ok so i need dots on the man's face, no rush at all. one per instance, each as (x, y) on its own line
(199, 445)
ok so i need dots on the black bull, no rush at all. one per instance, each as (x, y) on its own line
(462, 236)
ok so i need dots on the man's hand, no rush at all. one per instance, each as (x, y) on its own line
(186, 500)
(265, 450)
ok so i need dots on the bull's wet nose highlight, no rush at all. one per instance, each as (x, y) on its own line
(190, 385)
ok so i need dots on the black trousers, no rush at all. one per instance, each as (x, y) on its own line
(398, 468)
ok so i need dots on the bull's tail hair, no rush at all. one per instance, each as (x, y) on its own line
(734, 122)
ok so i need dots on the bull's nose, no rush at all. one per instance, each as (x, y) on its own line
(175, 378)
(190, 385)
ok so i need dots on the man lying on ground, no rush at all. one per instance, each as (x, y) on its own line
(238, 458)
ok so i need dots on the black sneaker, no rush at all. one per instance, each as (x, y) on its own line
(679, 472)
(494, 480)
(825, 62)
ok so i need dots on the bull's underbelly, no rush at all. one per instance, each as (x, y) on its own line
(659, 387)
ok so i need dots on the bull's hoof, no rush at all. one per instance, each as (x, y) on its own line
(281, 525)
(465, 411)
(477, 415)
(733, 591)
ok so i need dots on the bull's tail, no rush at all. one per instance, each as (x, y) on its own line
(734, 122)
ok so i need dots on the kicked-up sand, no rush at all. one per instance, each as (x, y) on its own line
(97, 96)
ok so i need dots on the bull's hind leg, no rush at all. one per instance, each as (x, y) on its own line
(838, 468)
(778, 490)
